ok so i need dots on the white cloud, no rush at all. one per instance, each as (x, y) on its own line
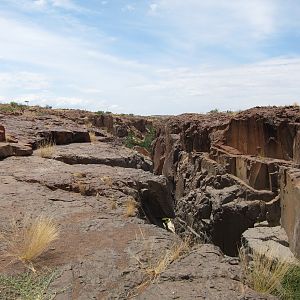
(72, 70)
(23, 80)
(232, 24)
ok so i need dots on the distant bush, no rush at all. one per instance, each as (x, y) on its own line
(131, 140)
(12, 107)
(214, 111)
(100, 112)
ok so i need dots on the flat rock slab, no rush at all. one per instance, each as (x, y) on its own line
(153, 192)
(269, 241)
(99, 247)
(102, 153)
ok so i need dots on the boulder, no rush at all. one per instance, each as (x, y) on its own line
(15, 149)
(269, 241)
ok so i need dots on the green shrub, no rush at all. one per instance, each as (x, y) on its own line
(214, 111)
(291, 284)
(132, 141)
(100, 112)
(12, 107)
(27, 286)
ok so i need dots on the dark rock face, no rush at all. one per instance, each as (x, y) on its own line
(7, 149)
(225, 169)
(290, 207)
(62, 136)
(2, 134)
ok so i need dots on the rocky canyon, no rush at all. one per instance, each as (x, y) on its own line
(225, 180)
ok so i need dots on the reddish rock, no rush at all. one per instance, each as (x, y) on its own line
(290, 207)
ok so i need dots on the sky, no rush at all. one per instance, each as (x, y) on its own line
(150, 57)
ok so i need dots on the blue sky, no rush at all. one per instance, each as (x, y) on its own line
(152, 56)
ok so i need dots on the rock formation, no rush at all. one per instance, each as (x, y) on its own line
(225, 170)
(216, 175)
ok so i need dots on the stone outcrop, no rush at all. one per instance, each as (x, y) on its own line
(8, 149)
(2, 134)
(225, 168)
(109, 205)
(203, 274)
(290, 207)
(268, 241)
(103, 153)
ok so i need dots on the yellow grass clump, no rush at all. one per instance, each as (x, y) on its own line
(46, 149)
(30, 241)
(107, 180)
(263, 272)
(154, 270)
(172, 254)
(131, 207)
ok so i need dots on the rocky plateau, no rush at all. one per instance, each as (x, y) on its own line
(225, 179)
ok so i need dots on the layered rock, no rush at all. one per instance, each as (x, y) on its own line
(225, 168)
(290, 207)
(268, 241)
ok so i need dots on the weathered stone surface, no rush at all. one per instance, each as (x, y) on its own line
(203, 274)
(96, 253)
(290, 207)
(152, 192)
(215, 203)
(110, 154)
(237, 180)
(103, 253)
(269, 241)
(2, 134)
(7, 149)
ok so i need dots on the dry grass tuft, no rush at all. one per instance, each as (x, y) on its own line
(93, 137)
(107, 180)
(27, 243)
(172, 254)
(131, 207)
(154, 270)
(264, 273)
(46, 149)
(79, 174)
(82, 188)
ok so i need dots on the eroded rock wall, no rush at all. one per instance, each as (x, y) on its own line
(225, 169)
(290, 207)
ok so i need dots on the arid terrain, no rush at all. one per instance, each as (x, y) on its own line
(226, 180)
